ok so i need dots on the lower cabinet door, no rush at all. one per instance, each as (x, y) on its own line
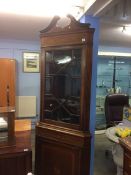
(54, 158)
(16, 163)
(52, 162)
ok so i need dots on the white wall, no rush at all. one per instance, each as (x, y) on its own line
(114, 49)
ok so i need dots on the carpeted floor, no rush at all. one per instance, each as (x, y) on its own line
(103, 165)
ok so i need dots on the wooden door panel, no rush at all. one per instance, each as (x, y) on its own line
(7, 82)
(12, 79)
(4, 79)
(57, 159)
(15, 164)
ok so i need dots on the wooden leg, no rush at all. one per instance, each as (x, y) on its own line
(11, 132)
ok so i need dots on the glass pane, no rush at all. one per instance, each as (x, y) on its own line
(48, 85)
(49, 63)
(3, 128)
(113, 75)
(62, 95)
(75, 91)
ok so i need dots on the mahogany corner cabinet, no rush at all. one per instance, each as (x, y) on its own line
(62, 136)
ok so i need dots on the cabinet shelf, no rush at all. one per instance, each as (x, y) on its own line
(64, 75)
(102, 86)
(104, 75)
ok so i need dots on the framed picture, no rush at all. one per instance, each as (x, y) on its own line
(31, 62)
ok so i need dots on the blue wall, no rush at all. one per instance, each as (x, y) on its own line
(94, 24)
(28, 84)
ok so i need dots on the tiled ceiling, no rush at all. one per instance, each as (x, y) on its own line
(112, 22)
(113, 16)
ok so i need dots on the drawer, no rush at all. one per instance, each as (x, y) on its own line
(127, 163)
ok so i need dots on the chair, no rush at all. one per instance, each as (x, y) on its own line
(114, 104)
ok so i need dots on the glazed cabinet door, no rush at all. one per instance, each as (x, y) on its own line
(62, 85)
(65, 87)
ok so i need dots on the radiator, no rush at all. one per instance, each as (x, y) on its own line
(25, 106)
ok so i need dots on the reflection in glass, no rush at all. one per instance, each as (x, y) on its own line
(3, 129)
(62, 95)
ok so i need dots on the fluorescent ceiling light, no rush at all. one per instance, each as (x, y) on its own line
(41, 7)
(126, 30)
(114, 54)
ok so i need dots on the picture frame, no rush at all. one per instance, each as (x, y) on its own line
(31, 62)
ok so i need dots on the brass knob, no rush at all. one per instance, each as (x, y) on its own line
(83, 40)
(51, 105)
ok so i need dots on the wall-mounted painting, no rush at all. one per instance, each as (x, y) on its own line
(31, 62)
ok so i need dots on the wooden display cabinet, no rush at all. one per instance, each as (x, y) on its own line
(7, 137)
(62, 136)
(7, 101)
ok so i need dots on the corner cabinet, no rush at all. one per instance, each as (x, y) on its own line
(62, 135)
